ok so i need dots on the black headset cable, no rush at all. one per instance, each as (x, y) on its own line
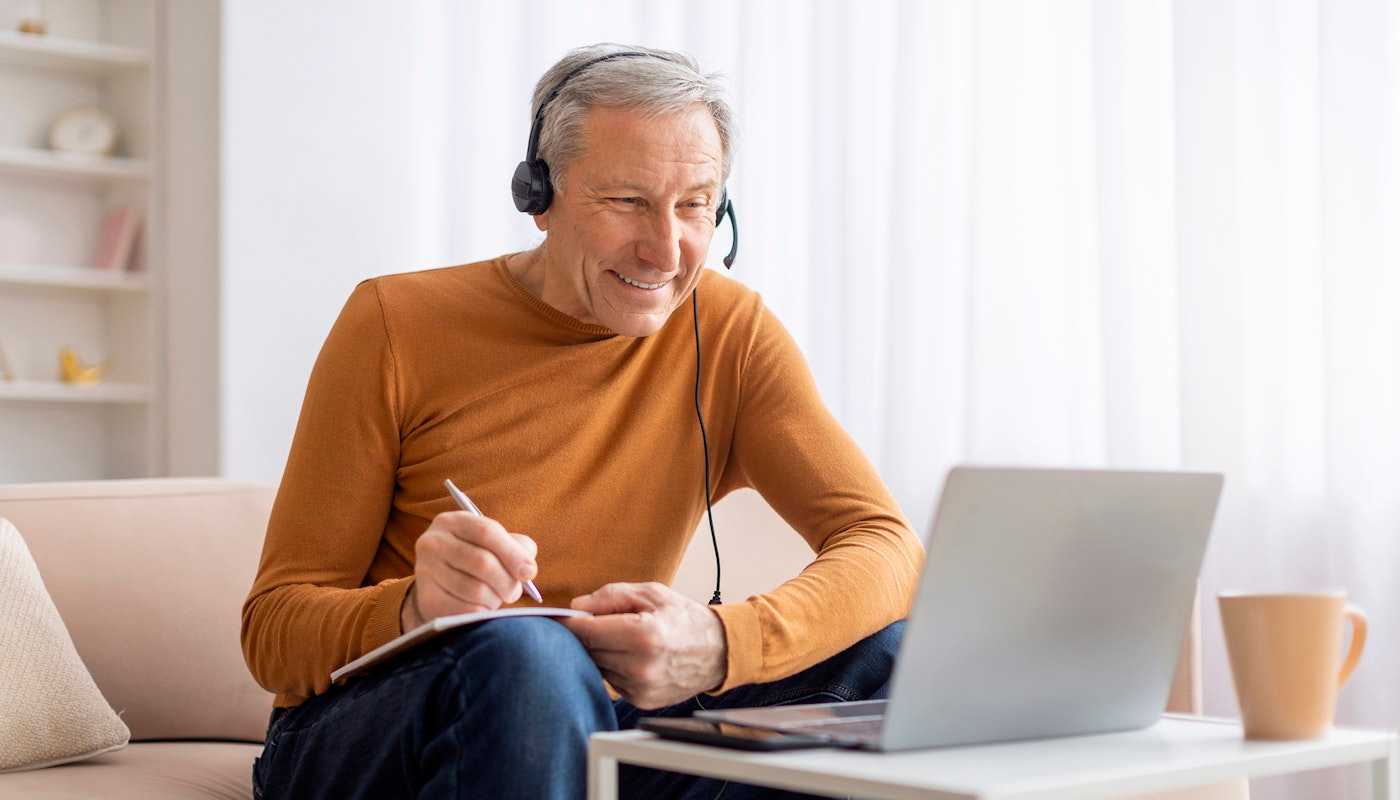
(704, 442)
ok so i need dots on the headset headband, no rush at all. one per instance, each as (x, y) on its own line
(532, 148)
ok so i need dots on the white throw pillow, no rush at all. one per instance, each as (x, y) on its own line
(51, 711)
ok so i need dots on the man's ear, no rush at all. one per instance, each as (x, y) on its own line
(542, 221)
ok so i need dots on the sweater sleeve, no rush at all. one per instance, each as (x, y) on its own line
(308, 612)
(789, 447)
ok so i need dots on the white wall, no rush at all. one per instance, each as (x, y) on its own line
(191, 237)
(328, 108)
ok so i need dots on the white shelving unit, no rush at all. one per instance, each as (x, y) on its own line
(72, 278)
(103, 53)
(44, 163)
(54, 391)
(71, 55)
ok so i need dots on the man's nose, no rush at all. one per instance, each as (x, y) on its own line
(660, 246)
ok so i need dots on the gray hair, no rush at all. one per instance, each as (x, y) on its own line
(665, 84)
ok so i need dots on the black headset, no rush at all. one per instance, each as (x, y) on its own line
(533, 192)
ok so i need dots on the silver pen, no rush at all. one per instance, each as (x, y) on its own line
(465, 503)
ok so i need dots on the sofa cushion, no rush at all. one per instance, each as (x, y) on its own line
(145, 771)
(51, 712)
(150, 577)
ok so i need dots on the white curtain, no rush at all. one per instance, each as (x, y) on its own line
(1136, 234)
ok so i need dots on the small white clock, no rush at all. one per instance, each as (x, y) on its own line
(85, 131)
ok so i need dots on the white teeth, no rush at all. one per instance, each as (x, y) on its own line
(639, 284)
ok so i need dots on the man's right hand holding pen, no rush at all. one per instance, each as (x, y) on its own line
(465, 563)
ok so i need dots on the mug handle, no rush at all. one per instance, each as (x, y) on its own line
(1358, 642)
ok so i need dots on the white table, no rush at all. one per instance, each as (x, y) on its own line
(1177, 752)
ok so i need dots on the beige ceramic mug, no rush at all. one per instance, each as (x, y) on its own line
(1285, 657)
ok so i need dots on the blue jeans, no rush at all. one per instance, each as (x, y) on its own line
(504, 709)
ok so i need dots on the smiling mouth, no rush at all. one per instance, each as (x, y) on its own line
(639, 284)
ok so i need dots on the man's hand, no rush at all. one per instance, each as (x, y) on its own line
(655, 646)
(466, 563)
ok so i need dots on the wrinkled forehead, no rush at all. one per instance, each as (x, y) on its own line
(631, 146)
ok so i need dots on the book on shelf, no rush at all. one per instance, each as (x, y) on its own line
(121, 227)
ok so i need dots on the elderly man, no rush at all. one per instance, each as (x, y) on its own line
(559, 387)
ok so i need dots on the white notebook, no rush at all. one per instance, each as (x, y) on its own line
(433, 627)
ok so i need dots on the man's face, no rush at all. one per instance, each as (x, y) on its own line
(638, 203)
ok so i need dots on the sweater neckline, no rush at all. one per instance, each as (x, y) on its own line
(549, 312)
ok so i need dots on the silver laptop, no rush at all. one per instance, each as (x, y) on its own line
(1052, 603)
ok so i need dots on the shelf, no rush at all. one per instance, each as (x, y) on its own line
(118, 56)
(32, 161)
(87, 278)
(55, 391)
(69, 55)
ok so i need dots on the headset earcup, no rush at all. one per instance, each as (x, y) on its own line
(530, 187)
(723, 207)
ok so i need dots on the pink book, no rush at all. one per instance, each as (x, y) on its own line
(119, 231)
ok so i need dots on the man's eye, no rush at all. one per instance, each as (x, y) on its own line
(631, 201)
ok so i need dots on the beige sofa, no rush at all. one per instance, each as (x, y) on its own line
(150, 575)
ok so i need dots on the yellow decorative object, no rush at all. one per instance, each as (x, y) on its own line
(31, 17)
(75, 371)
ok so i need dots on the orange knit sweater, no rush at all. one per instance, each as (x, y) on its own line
(585, 440)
